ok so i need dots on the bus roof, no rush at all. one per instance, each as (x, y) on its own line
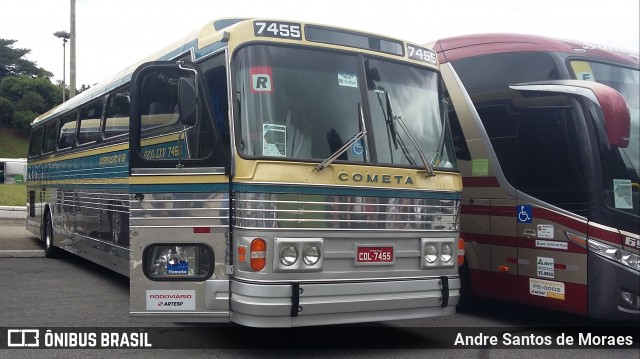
(458, 47)
(209, 38)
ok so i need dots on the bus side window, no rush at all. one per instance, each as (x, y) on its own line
(90, 116)
(117, 114)
(67, 133)
(35, 144)
(50, 132)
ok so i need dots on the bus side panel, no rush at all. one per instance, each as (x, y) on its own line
(164, 218)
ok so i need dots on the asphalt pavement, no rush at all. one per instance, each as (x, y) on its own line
(15, 240)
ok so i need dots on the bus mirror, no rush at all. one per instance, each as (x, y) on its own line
(187, 102)
(617, 118)
(373, 76)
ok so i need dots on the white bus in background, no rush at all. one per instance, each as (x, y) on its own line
(13, 170)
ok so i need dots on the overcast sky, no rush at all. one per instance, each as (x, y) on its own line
(113, 34)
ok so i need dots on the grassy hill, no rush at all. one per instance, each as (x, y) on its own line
(13, 144)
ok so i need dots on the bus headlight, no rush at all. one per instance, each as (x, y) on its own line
(430, 253)
(291, 249)
(311, 255)
(288, 255)
(446, 253)
(178, 261)
(438, 252)
(619, 255)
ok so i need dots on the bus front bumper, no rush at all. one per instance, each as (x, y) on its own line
(295, 304)
(614, 290)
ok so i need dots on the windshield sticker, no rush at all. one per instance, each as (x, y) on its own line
(357, 149)
(583, 71)
(622, 194)
(480, 167)
(261, 80)
(274, 140)
(347, 79)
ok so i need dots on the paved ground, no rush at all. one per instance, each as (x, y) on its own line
(16, 241)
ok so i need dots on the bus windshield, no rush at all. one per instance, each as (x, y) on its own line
(306, 104)
(621, 166)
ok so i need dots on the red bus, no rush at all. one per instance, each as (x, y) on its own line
(546, 135)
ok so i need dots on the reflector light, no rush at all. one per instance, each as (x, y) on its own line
(503, 269)
(201, 230)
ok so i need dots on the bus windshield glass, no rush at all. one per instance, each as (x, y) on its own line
(622, 166)
(305, 104)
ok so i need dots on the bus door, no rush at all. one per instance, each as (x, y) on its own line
(551, 182)
(179, 207)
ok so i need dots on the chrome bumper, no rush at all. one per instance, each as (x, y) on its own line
(301, 304)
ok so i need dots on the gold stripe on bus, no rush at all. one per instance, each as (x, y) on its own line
(101, 150)
(262, 171)
(161, 139)
(83, 181)
(83, 153)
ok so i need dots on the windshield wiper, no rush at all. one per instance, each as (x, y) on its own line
(423, 157)
(322, 165)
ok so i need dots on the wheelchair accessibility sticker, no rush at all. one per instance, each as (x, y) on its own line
(524, 214)
(357, 149)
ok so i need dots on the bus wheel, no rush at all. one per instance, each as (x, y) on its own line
(49, 250)
(118, 228)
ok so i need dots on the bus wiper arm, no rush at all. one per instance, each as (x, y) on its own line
(322, 165)
(413, 140)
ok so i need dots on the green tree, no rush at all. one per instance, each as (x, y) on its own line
(14, 88)
(6, 111)
(22, 119)
(32, 101)
(12, 62)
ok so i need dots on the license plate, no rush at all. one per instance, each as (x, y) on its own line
(374, 255)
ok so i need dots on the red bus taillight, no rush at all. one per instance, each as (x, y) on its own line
(258, 254)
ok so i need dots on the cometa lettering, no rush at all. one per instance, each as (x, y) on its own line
(375, 178)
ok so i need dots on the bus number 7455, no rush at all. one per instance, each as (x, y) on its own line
(285, 30)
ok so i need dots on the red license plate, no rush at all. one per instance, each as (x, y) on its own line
(374, 255)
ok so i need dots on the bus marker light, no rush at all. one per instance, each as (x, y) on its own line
(242, 254)
(503, 269)
(258, 254)
(201, 230)
(461, 251)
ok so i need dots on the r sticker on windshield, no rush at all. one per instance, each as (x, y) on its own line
(274, 140)
(347, 80)
(261, 80)
(622, 194)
